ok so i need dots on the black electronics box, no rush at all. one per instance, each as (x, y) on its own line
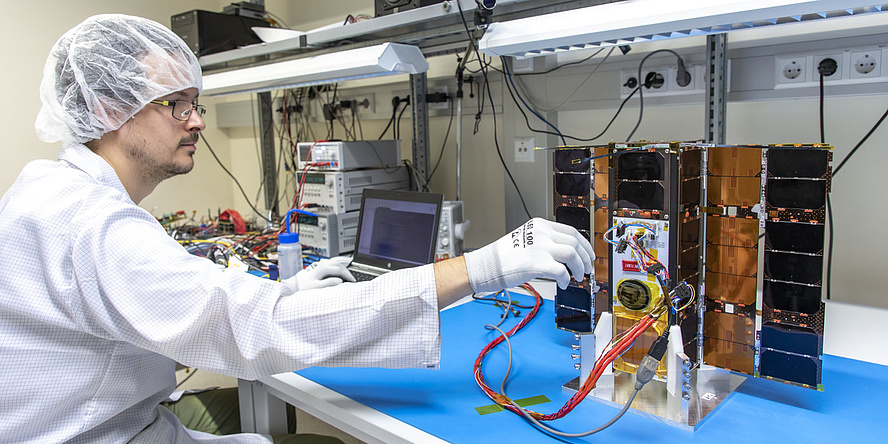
(386, 7)
(208, 32)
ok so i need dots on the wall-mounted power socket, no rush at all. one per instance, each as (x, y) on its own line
(366, 103)
(661, 81)
(852, 66)
(824, 58)
(524, 149)
(865, 64)
(438, 105)
(698, 80)
(792, 69)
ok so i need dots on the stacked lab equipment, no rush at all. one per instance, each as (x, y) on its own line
(332, 176)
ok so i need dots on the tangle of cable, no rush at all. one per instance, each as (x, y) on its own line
(616, 348)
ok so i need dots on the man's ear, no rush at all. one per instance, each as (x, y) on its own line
(108, 138)
(109, 114)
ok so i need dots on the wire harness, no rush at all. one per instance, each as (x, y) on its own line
(619, 345)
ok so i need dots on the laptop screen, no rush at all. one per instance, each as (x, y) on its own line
(397, 229)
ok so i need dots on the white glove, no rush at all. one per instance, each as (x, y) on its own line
(320, 274)
(539, 248)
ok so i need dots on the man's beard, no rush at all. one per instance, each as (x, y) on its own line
(153, 171)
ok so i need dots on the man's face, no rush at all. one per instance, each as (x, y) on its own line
(159, 145)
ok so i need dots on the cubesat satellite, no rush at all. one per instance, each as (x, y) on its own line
(741, 226)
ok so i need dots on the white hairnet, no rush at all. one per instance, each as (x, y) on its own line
(106, 69)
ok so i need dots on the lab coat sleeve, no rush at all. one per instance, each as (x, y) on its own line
(135, 284)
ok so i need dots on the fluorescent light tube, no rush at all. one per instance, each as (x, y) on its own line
(371, 61)
(632, 21)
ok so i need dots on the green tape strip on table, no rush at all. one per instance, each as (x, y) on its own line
(493, 408)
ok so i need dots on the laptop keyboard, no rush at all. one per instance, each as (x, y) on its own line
(361, 276)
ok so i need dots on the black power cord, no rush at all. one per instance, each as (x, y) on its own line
(397, 127)
(827, 67)
(635, 89)
(233, 178)
(443, 144)
(193, 372)
(824, 68)
(396, 102)
(683, 79)
(493, 112)
(508, 80)
(862, 141)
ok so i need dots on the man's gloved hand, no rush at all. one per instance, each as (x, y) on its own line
(539, 248)
(323, 273)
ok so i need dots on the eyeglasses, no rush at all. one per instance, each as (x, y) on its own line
(182, 108)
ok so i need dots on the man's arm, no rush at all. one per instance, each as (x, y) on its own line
(539, 248)
(451, 281)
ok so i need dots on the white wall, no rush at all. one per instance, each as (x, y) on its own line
(26, 44)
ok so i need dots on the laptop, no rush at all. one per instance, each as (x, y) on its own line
(396, 229)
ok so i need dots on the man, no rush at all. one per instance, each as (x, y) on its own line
(98, 303)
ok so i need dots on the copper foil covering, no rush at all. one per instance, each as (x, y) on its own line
(690, 192)
(601, 246)
(601, 177)
(601, 267)
(689, 162)
(732, 231)
(729, 355)
(689, 231)
(732, 260)
(599, 220)
(730, 288)
(735, 161)
(729, 327)
(734, 191)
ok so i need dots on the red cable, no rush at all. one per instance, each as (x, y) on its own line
(308, 164)
(601, 364)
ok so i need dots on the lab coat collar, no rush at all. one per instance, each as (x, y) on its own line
(94, 165)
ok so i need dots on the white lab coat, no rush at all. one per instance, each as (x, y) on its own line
(97, 303)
